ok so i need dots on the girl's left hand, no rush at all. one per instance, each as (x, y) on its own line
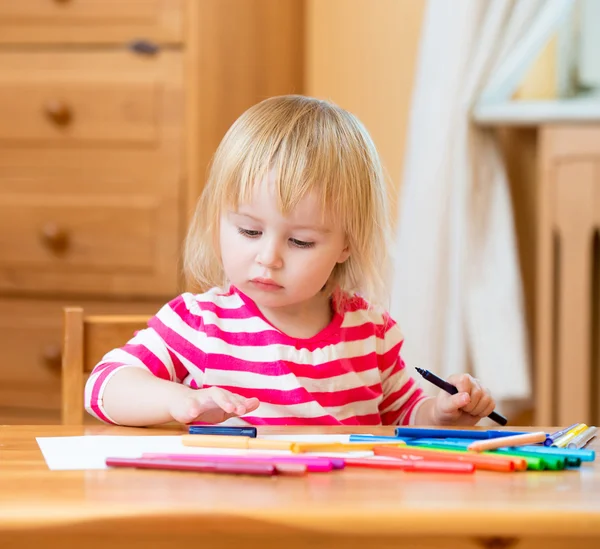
(467, 407)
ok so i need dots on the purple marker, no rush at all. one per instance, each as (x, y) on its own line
(552, 437)
(313, 464)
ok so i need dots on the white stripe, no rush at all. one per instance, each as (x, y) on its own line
(413, 412)
(193, 369)
(251, 325)
(360, 317)
(290, 382)
(149, 339)
(314, 409)
(232, 301)
(277, 352)
(392, 337)
(121, 357)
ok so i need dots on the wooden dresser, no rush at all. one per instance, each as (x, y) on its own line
(109, 113)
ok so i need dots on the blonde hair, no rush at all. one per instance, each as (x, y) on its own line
(311, 146)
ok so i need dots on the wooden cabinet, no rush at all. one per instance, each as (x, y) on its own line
(110, 111)
(567, 332)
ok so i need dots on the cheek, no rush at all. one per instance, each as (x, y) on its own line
(229, 245)
(315, 268)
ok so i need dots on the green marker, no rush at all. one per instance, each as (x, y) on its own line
(566, 461)
(535, 463)
(553, 463)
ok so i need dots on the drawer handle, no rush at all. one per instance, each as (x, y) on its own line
(52, 356)
(59, 112)
(54, 237)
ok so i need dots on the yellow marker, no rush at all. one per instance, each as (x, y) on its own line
(300, 447)
(246, 443)
(562, 442)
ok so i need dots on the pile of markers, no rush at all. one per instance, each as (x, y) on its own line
(411, 449)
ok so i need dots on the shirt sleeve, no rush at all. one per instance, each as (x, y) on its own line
(401, 392)
(165, 348)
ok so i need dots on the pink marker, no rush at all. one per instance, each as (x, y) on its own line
(313, 464)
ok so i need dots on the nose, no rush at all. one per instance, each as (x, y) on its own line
(269, 255)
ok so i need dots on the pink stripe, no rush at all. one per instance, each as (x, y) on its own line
(181, 371)
(390, 356)
(366, 419)
(415, 398)
(150, 360)
(398, 394)
(103, 365)
(391, 417)
(291, 420)
(240, 312)
(325, 370)
(95, 398)
(179, 343)
(353, 303)
(302, 396)
(271, 336)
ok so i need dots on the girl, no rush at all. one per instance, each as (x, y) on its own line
(290, 235)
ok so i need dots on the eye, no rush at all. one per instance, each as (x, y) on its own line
(301, 243)
(249, 233)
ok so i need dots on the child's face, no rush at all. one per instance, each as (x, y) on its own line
(279, 261)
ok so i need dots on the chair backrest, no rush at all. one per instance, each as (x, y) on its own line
(86, 339)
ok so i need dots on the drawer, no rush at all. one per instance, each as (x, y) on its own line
(46, 233)
(95, 98)
(87, 245)
(74, 111)
(30, 338)
(90, 21)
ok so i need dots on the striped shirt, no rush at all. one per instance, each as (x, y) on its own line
(350, 373)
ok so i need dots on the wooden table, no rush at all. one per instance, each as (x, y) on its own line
(346, 509)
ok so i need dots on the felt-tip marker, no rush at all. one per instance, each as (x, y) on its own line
(449, 388)
(222, 430)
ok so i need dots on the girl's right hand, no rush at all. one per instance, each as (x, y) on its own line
(212, 405)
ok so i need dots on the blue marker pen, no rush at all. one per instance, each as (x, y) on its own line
(222, 430)
(417, 432)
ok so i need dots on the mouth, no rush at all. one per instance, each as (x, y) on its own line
(266, 284)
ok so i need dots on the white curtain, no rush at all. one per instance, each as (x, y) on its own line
(457, 290)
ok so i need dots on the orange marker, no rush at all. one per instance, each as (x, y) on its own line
(300, 447)
(485, 462)
(502, 442)
(233, 441)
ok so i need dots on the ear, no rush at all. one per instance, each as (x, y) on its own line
(345, 254)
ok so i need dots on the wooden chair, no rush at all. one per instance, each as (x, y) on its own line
(86, 339)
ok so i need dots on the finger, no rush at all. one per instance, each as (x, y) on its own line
(186, 410)
(237, 401)
(242, 405)
(252, 404)
(476, 394)
(450, 405)
(463, 382)
(223, 399)
(488, 409)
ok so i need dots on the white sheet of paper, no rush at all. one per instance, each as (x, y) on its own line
(90, 452)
